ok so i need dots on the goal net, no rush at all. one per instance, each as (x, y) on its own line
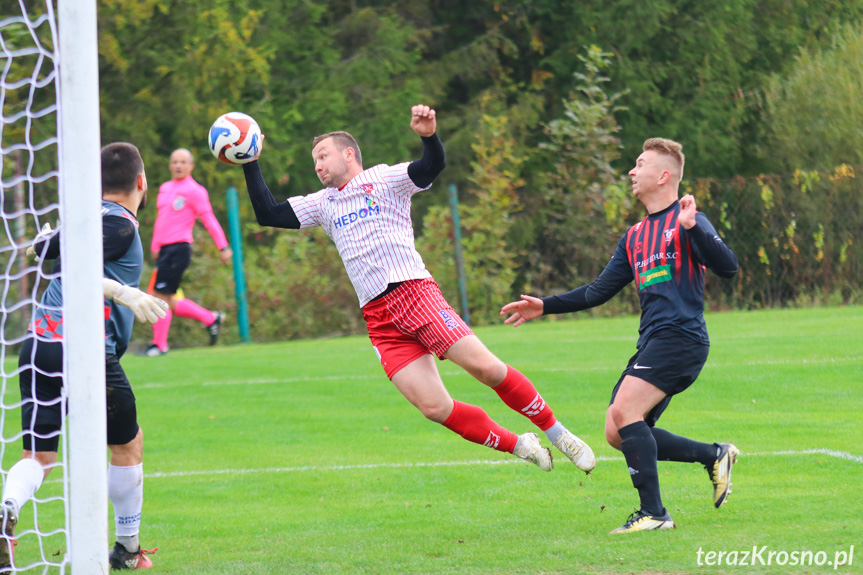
(48, 90)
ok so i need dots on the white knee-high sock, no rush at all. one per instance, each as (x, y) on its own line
(126, 492)
(23, 481)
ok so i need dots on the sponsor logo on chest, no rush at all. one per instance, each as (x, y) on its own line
(656, 275)
(369, 210)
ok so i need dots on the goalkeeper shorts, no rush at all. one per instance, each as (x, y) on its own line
(43, 404)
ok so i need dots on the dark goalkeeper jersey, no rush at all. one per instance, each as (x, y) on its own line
(123, 258)
(667, 264)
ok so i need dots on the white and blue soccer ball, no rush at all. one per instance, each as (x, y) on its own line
(235, 138)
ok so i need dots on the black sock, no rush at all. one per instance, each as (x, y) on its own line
(670, 447)
(639, 450)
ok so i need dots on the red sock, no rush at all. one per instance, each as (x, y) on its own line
(518, 393)
(474, 424)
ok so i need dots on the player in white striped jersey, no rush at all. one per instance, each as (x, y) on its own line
(367, 213)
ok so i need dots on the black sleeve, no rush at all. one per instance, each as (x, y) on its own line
(616, 275)
(117, 236)
(118, 233)
(267, 211)
(422, 172)
(710, 249)
(48, 248)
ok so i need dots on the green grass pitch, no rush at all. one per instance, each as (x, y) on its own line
(301, 457)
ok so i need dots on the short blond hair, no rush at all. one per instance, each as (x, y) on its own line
(668, 148)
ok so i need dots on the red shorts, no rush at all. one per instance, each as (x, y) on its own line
(412, 320)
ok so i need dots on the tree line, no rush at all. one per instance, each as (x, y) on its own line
(542, 108)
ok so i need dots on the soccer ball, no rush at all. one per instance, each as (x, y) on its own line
(235, 138)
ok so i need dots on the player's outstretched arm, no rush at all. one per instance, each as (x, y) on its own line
(146, 307)
(525, 310)
(610, 281)
(268, 212)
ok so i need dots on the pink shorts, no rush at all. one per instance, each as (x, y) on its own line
(412, 320)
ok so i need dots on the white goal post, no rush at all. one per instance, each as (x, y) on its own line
(81, 253)
(48, 55)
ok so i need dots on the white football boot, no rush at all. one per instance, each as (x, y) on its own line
(577, 451)
(530, 449)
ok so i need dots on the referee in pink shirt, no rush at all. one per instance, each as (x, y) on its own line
(181, 201)
(367, 214)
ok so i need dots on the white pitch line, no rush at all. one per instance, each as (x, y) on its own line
(831, 452)
(296, 379)
(615, 368)
(332, 467)
(323, 468)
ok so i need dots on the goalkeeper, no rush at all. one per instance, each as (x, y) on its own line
(124, 192)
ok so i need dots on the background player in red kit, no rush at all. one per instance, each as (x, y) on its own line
(367, 215)
(180, 203)
(665, 254)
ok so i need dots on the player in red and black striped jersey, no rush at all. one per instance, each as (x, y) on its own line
(665, 255)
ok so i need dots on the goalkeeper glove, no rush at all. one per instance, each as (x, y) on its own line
(31, 250)
(146, 307)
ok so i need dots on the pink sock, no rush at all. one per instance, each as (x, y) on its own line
(519, 394)
(188, 308)
(160, 331)
(474, 424)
